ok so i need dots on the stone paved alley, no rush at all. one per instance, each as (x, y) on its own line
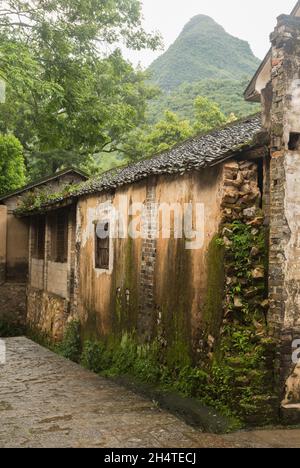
(47, 401)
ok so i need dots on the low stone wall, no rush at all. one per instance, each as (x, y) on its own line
(13, 305)
(47, 314)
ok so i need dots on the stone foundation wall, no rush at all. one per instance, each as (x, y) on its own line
(241, 196)
(13, 304)
(47, 314)
(250, 360)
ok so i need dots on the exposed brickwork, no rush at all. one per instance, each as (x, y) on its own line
(284, 259)
(149, 226)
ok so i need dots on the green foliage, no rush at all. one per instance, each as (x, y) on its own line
(147, 363)
(241, 373)
(70, 347)
(192, 381)
(227, 94)
(246, 287)
(11, 329)
(66, 99)
(213, 307)
(171, 130)
(240, 376)
(203, 61)
(237, 379)
(35, 200)
(98, 164)
(165, 134)
(207, 115)
(40, 337)
(203, 50)
(95, 356)
(12, 167)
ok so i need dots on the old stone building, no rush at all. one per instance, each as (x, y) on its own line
(140, 276)
(241, 282)
(14, 240)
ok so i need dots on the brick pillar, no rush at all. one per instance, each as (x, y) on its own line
(284, 257)
(3, 236)
(146, 303)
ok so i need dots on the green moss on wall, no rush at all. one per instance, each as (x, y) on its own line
(241, 369)
(124, 289)
(176, 304)
(213, 307)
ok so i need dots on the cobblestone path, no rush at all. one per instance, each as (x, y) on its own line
(47, 401)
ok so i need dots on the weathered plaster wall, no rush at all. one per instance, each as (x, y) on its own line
(17, 249)
(57, 278)
(37, 273)
(18, 229)
(292, 247)
(102, 298)
(153, 282)
(51, 287)
(283, 117)
(181, 274)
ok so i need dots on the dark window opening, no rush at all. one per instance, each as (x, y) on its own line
(102, 246)
(294, 141)
(59, 237)
(39, 229)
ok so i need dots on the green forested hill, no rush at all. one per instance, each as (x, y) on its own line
(228, 94)
(203, 50)
(204, 60)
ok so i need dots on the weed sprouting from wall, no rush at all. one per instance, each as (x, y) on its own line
(11, 329)
(70, 347)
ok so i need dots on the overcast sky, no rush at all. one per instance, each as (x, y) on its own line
(251, 20)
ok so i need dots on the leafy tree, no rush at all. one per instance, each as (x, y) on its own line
(147, 141)
(70, 93)
(168, 132)
(228, 94)
(12, 167)
(171, 130)
(207, 115)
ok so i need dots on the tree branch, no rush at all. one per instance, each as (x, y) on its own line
(21, 25)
